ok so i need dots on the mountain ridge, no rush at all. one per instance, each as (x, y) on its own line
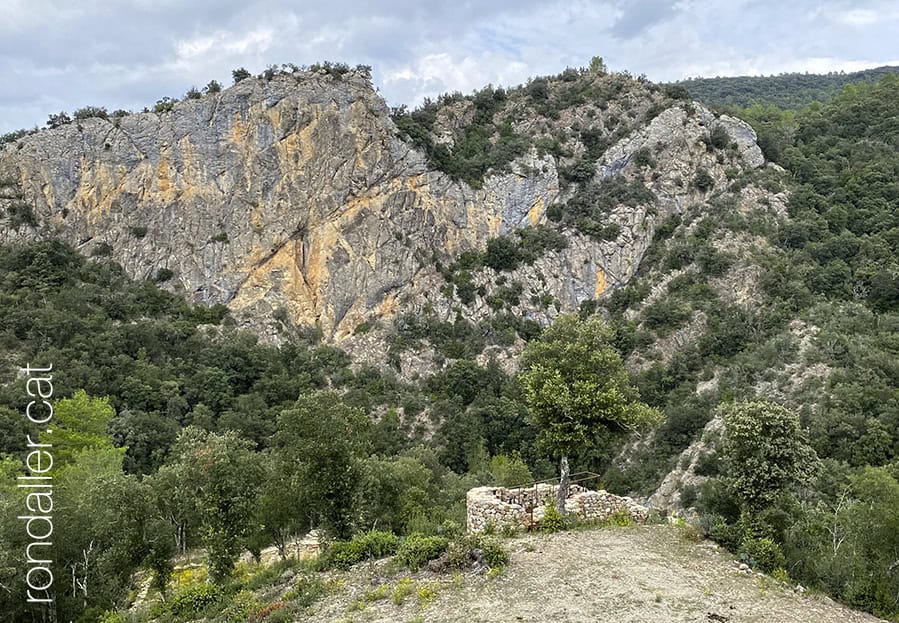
(295, 200)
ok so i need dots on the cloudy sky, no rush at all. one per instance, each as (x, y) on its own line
(63, 54)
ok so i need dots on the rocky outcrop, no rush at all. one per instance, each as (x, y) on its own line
(294, 194)
(669, 495)
(294, 201)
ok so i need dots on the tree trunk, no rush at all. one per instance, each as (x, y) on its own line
(280, 539)
(563, 486)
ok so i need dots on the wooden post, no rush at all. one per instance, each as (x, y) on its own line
(562, 495)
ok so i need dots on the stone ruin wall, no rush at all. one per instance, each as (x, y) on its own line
(523, 508)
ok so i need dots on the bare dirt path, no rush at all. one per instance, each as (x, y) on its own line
(619, 575)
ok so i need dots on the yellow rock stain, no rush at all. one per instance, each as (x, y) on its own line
(536, 212)
(601, 284)
(301, 266)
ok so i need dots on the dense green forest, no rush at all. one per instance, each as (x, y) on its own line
(149, 384)
(788, 91)
(831, 265)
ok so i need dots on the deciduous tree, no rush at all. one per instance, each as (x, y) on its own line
(577, 389)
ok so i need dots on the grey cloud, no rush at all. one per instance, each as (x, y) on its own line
(639, 15)
(56, 54)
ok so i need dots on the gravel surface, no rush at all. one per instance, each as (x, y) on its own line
(620, 575)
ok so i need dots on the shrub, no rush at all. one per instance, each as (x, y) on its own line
(379, 593)
(537, 89)
(621, 518)
(462, 552)
(58, 120)
(166, 104)
(213, 87)
(719, 138)
(163, 274)
(427, 593)
(335, 70)
(494, 554)
(11, 137)
(643, 158)
(537, 240)
(138, 231)
(510, 471)
(780, 574)
(418, 549)
(21, 213)
(241, 607)
(404, 588)
(194, 600)
(90, 112)
(450, 529)
(367, 546)
(240, 74)
(104, 249)
(553, 521)
(306, 591)
(703, 181)
(677, 92)
(709, 464)
(688, 495)
(763, 554)
(502, 254)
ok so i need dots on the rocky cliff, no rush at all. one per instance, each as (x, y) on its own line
(295, 200)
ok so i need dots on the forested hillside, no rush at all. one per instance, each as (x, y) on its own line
(818, 334)
(788, 91)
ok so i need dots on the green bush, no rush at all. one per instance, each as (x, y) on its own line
(89, 112)
(719, 138)
(194, 600)
(763, 554)
(418, 549)
(461, 552)
(494, 554)
(112, 617)
(366, 546)
(703, 181)
(502, 254)
(553, 521)
(104, 249)
(306, 591)
(21, 213)
(166, 104)
(163, 275)
(643, 158)
(241, 607)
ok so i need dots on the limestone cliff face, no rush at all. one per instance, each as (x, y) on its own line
(295, 198)
(291, 194)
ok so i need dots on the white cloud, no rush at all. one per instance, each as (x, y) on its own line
(859, 17)
(63, 55)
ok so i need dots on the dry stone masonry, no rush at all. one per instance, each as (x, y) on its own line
(524, 508)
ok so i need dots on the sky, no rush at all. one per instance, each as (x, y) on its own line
(61, 55)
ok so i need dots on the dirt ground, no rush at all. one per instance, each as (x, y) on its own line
(620, 575)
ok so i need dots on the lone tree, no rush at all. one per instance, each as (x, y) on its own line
(320, 444)
(240, 74)
(765, 451)
(221, 474)
(577, 389)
